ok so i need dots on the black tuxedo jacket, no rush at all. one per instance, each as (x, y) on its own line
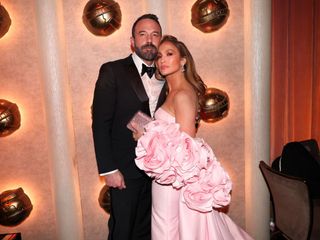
(118, 95)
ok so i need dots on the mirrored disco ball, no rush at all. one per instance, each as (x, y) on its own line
(102, 17)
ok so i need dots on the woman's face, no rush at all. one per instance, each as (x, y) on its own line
(168, 60)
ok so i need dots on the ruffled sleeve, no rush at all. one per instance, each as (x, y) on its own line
(173, 157)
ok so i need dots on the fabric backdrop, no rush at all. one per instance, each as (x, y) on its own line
(295, 83)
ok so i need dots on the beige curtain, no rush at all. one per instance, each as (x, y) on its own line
(295, 83)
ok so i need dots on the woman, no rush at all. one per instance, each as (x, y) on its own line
(189, 184)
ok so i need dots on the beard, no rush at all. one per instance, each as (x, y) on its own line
(146, 52)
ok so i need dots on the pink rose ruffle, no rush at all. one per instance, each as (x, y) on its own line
(173, 157)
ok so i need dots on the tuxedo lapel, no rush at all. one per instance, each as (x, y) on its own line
(136, 82)
(137, 86)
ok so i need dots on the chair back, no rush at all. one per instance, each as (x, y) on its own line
(291, 203)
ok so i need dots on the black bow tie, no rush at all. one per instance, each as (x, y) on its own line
(149, 70)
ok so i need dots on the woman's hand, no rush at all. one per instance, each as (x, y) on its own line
(136, 134)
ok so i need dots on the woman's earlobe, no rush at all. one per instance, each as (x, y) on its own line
(183, 64)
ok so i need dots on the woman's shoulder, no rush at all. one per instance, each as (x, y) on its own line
(184, 95)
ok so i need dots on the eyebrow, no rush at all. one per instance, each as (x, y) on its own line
(171, 49)
(142, 31)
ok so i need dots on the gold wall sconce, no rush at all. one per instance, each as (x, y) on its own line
(104, 199)
(9, 117)
(5, 21)
(15, 207)
(214, 105)
(102, 17)
(209, 15)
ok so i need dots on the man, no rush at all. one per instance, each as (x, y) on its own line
(122, 90)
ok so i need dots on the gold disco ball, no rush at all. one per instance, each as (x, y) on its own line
(5, 21)
(102, 17)
(209, 15)
(9, 117)
(15, 207)
(214, 105)
(104, 199)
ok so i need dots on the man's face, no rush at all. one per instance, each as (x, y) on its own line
(147, 36)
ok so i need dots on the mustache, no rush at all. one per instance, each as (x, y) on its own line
(149, 45)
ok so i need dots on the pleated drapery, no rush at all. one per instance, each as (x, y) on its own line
(295, 78)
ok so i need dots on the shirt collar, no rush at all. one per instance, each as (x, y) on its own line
(138, 62)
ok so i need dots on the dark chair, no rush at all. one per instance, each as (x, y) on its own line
(301, 159)
(296, 215)
(312, 147)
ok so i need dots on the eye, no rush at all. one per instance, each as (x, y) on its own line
(155, 34)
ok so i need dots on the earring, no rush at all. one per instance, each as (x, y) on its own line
(182, 68)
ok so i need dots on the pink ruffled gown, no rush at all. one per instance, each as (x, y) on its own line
(189, 184)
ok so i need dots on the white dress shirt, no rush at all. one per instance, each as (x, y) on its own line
(152, 85)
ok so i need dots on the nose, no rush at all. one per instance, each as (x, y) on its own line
(162, 60)
(149, 38)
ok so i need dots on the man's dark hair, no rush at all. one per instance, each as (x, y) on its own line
(146, 16)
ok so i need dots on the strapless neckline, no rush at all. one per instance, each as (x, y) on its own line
(162, 114)
(166, 112)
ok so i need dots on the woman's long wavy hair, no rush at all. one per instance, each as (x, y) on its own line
(190, 71)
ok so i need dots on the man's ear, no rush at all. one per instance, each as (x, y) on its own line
(132, 42)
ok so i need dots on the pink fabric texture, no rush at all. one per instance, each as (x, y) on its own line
(173, 157)
(189, 184)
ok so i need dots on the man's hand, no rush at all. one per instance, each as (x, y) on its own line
(115, 180)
